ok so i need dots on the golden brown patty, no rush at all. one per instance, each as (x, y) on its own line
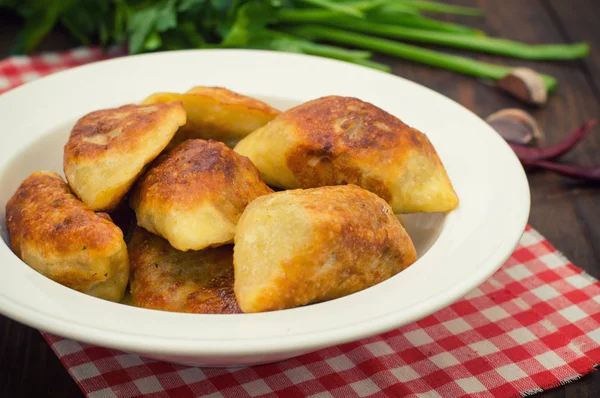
(163, 278)
(218, 113)
(58, 236)
(343, 140)
(308, 245)
(194, 194)
(109, 148)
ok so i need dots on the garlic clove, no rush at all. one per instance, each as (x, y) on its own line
(526, 85)
(515, 125)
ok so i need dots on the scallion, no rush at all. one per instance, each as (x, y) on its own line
(438, 59)
(312, 15)
(485, 44)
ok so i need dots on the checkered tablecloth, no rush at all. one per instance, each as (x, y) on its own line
(534, 325)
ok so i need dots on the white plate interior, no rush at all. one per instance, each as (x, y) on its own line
(457, 251)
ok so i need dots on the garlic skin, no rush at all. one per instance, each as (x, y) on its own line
(526, 85)
(515, 125)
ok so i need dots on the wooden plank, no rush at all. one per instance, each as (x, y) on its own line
(573, 104)
(28, 366)
(579, 20)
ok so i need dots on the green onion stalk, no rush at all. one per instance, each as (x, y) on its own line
(414, 6)
(434, 7)
(380, 15)
(438, 59)
(479, 43)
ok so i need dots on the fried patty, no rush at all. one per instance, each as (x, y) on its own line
(163, 278)
(342, 140)
(304, 246)
(57, 235)
(194, 194)
(218, 113)
(109, 148)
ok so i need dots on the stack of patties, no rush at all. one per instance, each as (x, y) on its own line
(53, 226)
(209, 236)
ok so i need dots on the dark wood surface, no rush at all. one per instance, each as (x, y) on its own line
(566, 212)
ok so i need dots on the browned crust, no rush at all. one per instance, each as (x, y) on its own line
(43, 210)
(358, 228)
(121, 129)
(163, 278)
(46, 219)
(197, 171)
(336, 131)
(355, 243)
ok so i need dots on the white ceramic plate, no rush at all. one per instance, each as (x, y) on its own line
(457, 251)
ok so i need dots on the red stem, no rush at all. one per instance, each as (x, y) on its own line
(533, 154)
(569, 170)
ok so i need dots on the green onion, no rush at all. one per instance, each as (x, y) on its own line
(415, 5)
(486, 44)
(340, 7)
(306, 15)
(366, 5)
(323, 16)
(353, 56)
(279, 41)
(334, 52)
(431, 6)
(451, 62)
(387, 16)
(372, 64)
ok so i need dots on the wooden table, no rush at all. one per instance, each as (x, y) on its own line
(565, 211)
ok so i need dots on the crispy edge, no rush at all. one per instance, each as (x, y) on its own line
(120, 129)
(149, 252)
(199, 170)
(70, 231)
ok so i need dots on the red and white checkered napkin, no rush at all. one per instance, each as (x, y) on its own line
(533, 325)
(17, 70)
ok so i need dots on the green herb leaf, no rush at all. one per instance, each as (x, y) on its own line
(8, 3)
(140, 26)
(187, 5)
(145, 23)
(120, 21)
(252, 16)
(340, 7)
(40, 18)
(222, 5)
(153, 41)
(86, 19)
(184, 37)
(166, 17)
